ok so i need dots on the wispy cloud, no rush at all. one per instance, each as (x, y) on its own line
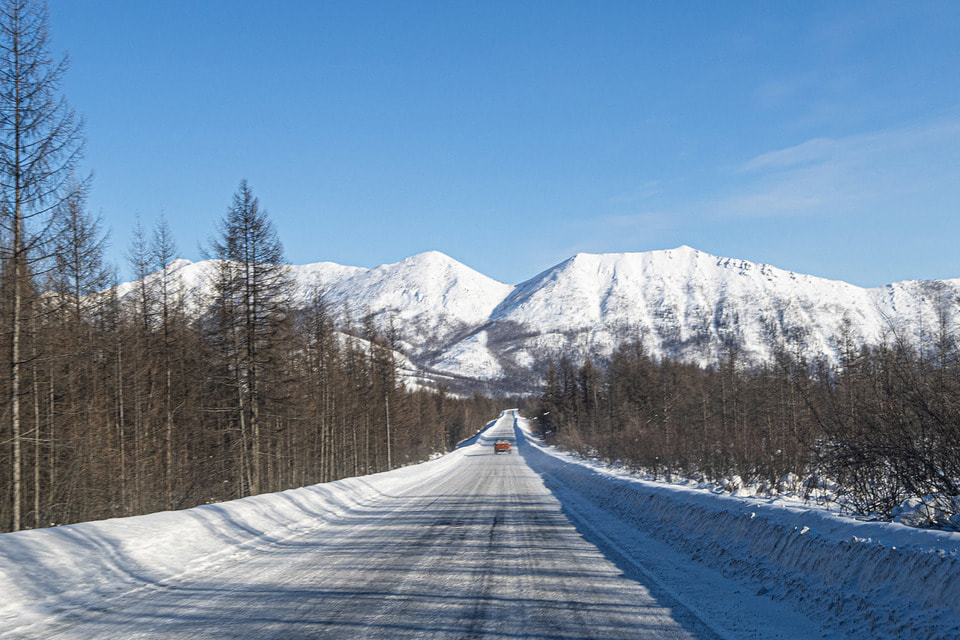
(789, 89)
(644, 191)
(901, 182)
(834, 176)
(816, 151)
(649, 221)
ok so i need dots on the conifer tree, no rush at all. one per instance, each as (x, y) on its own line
(252, 291)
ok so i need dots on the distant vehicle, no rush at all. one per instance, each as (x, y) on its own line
(501, 446)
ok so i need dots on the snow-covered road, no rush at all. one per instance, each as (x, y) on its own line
(483, 550)
(471, 545)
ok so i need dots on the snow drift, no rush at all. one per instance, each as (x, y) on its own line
(48, 571)
(876, 580)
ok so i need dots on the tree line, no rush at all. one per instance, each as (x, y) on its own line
(881, 425)
(117, 405)
(150, 400)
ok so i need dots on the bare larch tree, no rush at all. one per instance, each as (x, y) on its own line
(40, 143)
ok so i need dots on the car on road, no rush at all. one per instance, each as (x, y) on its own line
(501, 446)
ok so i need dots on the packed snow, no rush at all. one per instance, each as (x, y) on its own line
(471, 543)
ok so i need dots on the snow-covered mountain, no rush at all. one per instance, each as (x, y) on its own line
(690, 305)
(458, 324)
(433, 299)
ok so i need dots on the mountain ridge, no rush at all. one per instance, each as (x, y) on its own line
(459, 325)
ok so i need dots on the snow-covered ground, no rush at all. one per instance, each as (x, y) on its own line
(53, 575)
(538, 544)
(866, 579)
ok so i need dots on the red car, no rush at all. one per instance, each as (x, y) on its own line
(501, 446)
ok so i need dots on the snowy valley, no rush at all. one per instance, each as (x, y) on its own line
(657, 445)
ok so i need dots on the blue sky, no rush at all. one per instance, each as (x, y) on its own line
(821, 137)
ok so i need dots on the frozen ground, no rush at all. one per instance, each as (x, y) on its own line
(534, 544)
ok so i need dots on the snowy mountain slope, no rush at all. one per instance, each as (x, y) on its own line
(431, 297)
(686, 304)
(458, 324)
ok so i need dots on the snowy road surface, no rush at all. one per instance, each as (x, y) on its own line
(482, 551)
(472, 545)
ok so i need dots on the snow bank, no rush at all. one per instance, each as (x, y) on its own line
(877, 580)
(47, 571)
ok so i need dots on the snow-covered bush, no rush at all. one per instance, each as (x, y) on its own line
(929, 511)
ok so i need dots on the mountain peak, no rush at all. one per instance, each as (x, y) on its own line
(683, 251)
(179, 263)
(681, 303)
(432, 257)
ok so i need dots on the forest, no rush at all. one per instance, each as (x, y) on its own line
(136, 403)
(880, 426)
(117, 405)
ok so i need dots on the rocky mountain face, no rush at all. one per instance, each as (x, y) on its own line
(460, 326)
